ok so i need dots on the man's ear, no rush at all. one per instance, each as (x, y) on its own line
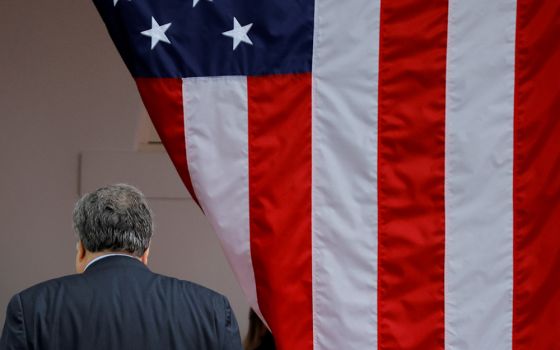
(80, 257)
(81, 250)
(144, 257)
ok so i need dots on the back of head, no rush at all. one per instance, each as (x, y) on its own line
(114, 218)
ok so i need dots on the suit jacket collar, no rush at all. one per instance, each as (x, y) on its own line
(115, 261)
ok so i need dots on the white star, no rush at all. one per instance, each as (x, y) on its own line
(193, 3)
(239, 33)
(157, 33)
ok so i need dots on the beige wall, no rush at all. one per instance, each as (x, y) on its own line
(63, 91)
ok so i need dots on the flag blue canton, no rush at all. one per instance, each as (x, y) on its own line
(195, 38)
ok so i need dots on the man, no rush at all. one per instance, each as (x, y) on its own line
(115, 301)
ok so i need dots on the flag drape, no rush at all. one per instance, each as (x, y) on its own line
(381, 174)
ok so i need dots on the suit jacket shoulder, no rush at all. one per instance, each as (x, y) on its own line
(210, 302)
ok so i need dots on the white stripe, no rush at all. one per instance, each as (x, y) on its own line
(216, 127)
(479, 174)
(344, 191)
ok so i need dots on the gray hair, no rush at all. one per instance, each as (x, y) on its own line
(114, 218)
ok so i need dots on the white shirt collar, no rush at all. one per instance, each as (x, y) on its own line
(106, 256)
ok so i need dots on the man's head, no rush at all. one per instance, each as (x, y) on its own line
(113, 219)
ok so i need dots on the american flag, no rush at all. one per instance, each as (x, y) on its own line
(381, 173)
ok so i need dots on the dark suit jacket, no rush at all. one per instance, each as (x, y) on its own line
(118, 303)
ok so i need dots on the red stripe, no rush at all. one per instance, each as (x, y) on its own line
(280, 204)
(163, 99)
(411, 174)
(536, 309)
